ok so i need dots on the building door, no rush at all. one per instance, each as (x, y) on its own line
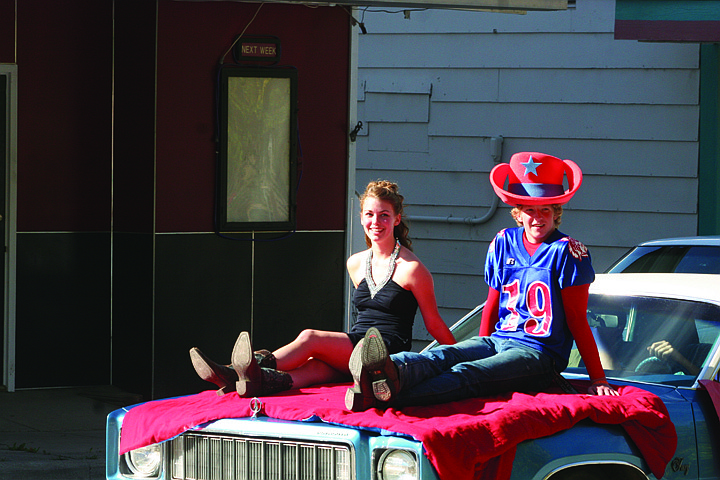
(3, 161)
(8, 104)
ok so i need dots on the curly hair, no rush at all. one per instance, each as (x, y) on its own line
(388, 192)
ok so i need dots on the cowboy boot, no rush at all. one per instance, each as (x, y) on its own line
(376, 360)
(246, 366)
(275, 381)
(222, 376)
(270, 382)
(359, 397)
(265, 359)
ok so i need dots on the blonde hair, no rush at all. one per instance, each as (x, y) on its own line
(388, 192)
(557, 214)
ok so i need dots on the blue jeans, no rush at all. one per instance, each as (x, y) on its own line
(476, 367)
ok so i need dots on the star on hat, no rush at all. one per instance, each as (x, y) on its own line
(530, 166)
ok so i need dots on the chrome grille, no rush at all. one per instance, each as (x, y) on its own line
(198, 456)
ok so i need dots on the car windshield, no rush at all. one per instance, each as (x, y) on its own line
(625, 326)
(669, 259)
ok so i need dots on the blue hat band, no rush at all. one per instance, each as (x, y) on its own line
(535, 190)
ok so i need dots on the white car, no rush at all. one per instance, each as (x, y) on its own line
(672, 255)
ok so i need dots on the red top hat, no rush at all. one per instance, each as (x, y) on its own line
(535, 179)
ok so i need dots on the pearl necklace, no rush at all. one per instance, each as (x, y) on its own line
(391, 269)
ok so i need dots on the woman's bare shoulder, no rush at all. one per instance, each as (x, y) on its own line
(410, 259)
(410, 270)
(357, 258)
(356, 266)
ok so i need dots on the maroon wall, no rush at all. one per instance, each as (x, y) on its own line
(64, 53)
(64, 56)
(96, 184)
(192, 37)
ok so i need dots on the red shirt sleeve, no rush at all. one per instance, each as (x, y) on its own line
(575, 302)
(490, 314)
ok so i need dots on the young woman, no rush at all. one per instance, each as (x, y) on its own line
(391, 283)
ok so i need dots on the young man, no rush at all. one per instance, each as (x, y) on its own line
(537, 302)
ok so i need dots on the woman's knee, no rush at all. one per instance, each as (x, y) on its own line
(308, 337)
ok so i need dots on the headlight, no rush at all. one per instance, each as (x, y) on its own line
(397, 465)
(145, 461)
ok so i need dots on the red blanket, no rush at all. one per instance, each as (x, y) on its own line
(468, 439)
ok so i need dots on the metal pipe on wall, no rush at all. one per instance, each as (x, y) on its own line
(450, 219)
(496, 146)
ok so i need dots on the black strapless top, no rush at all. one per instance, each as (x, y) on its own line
(392, 310)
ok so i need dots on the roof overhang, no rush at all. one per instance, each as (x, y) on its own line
(492, 5)
(457, 4)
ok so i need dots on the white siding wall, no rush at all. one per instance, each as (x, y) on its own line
(435, 87)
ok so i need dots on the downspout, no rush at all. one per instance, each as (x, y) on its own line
(496, 144)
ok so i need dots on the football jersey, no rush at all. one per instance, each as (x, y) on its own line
(531, 307)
